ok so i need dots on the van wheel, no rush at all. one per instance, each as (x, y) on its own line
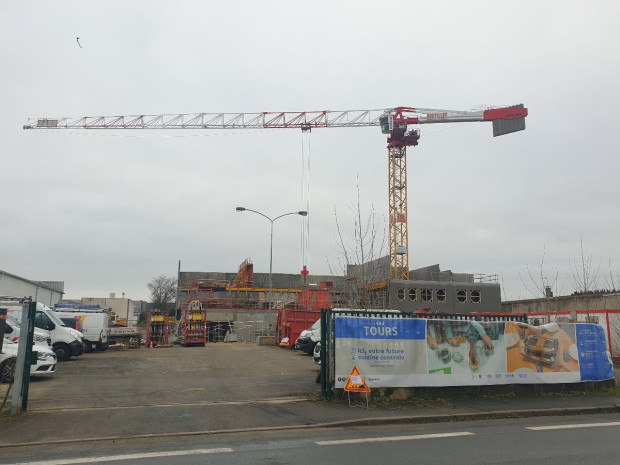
(7, 375)
(88, 347)
(63, 352)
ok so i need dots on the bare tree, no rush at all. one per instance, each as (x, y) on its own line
(163, 293)
(543, 282)
(583, 274)
(360, 250)
(613, 280)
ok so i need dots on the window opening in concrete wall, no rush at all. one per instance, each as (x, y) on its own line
(426, 295)
(400, 293)
(413, 294)
(441, 295)
(461, 296)
(475, 296)
(592, 319)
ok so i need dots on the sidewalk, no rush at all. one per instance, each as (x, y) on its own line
(196, 410)
(68, 425)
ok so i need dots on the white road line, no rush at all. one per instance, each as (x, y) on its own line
(575, 425)
(394, 438)
(111, 458)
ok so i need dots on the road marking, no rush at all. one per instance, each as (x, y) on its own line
(394, 438)
(111, 458)
(576, 425)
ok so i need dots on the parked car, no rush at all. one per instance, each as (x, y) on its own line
(12, 329)
(309, 337)
(46, 360)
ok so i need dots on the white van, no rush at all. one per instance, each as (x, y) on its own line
(95, 323)
(66, 342)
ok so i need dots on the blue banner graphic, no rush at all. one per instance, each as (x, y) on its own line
(594, 360)
(380, 328)
(410, 352)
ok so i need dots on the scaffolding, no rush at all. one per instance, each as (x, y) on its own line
(194, 325)
(157, 329)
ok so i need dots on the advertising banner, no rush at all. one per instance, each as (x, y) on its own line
(410, 352)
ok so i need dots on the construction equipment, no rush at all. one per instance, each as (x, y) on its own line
(192, 329)
(394, 122)
(117, 320)
(157, 329)
(245, 276)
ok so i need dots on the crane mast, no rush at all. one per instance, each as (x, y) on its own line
(394, 123)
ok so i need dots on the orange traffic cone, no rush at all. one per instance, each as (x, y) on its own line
(151, 346)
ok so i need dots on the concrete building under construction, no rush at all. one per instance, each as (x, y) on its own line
(238, 303)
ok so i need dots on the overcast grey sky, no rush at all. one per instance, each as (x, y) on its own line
(107, 211)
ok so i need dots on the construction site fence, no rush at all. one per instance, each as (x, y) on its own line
(328, 338)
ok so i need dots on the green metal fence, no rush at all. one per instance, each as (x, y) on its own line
(328, 341)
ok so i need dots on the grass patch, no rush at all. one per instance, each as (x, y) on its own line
(610, 391)
(446, 397)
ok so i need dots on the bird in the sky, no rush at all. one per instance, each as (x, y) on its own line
(78, 41)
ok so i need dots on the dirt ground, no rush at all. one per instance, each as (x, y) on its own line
(218, 372)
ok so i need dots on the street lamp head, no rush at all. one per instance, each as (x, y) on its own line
(271, 220)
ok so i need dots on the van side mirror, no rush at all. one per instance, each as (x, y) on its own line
(51, 326)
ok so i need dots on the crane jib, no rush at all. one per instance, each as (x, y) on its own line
(264, 120)
(393, 123)
(280, 120)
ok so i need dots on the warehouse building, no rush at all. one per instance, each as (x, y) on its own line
(47, 292)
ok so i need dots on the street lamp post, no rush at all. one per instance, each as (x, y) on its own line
(271, 220)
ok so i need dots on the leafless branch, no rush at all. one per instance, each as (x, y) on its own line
(583, 274)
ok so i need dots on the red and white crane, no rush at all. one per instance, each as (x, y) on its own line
(394, 122)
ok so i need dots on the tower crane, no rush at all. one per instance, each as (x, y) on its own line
(394, 122)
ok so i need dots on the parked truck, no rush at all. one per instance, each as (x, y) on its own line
(122, 333)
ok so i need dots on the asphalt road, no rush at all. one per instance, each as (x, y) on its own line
(551, 440)
(178, 401)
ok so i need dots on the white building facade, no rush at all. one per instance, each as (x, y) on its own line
(46, 292)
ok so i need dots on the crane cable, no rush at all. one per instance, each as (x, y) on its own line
(305, 201)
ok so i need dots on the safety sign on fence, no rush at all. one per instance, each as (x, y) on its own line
(356, 382)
